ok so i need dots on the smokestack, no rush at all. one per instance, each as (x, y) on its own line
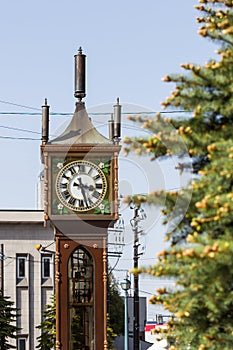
(80, 75)
(45, 123)
(117, 120)
(111, 128)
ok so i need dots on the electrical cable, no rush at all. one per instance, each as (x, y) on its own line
(19, 129)
(17, 105)
(18, 138)
(93, 113)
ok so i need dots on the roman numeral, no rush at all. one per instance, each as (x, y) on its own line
(82, 168)
(96, 177)
(80, 203)
(63, 186)
(73, 171)
(99, 186)
(66, 194)
(90, 171)
(90, 201)
(71, 200)
(96, 195)
(66, 177)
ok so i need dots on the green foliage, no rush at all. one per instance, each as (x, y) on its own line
(201, 261)
(8, 316)
(110, 335)
(77, 329)
(115, 307)
(47, 339)
(115, 321)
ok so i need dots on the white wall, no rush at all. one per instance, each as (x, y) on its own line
(30, 294)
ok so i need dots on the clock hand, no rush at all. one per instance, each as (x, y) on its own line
(83, 191)
(90, 188)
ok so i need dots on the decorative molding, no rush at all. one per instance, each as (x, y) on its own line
(105, 278)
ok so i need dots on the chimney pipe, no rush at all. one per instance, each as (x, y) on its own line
(45, 123)
(117, 120)
(80, 75)
(111, 128)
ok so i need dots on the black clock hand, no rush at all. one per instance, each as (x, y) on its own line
(90, 188)
(83, 191)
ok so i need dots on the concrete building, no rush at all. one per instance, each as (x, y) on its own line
(27, 275)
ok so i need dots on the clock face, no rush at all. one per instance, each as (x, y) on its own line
(81, 186)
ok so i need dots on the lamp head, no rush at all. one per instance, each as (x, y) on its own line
(38, 247)
(125, 285)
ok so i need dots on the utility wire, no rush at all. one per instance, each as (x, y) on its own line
(93, 113)
(129, 127)
(19, 138)
(97, 113)
(18, 105)
(19, 129)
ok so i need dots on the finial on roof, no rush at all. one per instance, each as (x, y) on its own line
(45, 122)
(117, 121)
(80, 75)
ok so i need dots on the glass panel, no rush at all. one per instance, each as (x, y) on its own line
(21, 262)
(81, 300)
(46, 267)
(22, 344)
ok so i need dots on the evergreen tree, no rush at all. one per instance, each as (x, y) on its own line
(115, 322)
(115, 311)
(47, 339)
(201, 262)
(8, 315)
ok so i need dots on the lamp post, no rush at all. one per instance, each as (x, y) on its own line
(125, 285)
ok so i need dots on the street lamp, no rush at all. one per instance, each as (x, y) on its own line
(125, 285)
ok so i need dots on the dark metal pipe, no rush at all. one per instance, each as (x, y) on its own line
(117, 119)
(111, 128)
(80, 75)
(45, 123)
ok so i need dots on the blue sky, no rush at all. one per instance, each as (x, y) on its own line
(130, 46)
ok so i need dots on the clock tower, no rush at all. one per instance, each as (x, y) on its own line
(81, 202)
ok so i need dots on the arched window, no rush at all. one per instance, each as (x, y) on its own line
(81, 310)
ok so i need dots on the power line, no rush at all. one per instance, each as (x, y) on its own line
(17, 105)
(65, 114)
(60, 113)
(19, 129)
(93, 113)
(130, 127)
(19, 138)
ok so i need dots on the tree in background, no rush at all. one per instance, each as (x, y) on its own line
(200, 256)
(8, 316)
(47, 339)
(115, 311)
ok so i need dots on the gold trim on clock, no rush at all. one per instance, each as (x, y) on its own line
(81, 186)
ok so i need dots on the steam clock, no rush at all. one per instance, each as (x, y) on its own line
(81, 202)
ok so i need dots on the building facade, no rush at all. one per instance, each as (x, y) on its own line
(27, 274)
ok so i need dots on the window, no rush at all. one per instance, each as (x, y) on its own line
(81, 299)
(21, 343)
(21, 266)
(46, 266)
